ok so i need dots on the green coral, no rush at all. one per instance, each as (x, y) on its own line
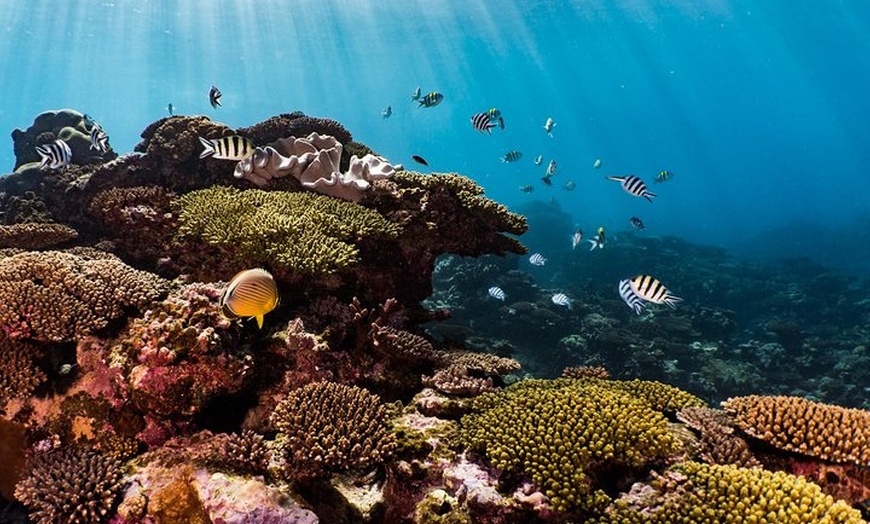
(301, 232)
(560, 432)
(701, 493)
(662, 397)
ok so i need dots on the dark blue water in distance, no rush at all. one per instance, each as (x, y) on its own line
(760, 108)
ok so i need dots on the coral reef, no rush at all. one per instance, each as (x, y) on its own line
(692, 492)
(18, 375)
(563, 434)
(810, 428)
(66, 124)
(581, 372)
(295, 124)
(75, 485)
(57, 296)
(35, 235)
(720, 444)
(327, 427)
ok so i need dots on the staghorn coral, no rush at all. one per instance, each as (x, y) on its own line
(810, 428)
(70, 485)
(315, 161)
(716, 432)
(57, 296)
(297, 232)
(581, 372)
(701, 493)
(326, 427)
(35, 235)
(559, 433)
(18, 376)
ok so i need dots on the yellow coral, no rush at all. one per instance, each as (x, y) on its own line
(811, 428)
(558, 432)
(302, 232)
(700, 494)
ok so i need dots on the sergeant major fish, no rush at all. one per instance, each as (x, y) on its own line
(663, 176)
(561, 299)
(431, 100)
(637, 223)
(56, 155)
(99, 139)
(233, 147)
(527, 188)
(511, 156)
(482, 123)
(650, 289)
(496, 293)
(495, 116)
(537, 259)
(634, 186)
(630, 297)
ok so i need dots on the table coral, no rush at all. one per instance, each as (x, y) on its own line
(700, 494)
(810, 428)
(327, 427)
(294, 232)
(35, 235)
(57, 296)
(71, 485)
(560, 432)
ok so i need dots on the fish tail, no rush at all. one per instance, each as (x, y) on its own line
(649, 196)
(209, 148)
(672, 301)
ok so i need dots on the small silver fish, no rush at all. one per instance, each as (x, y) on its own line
(537, 259)
(496, 293)
(56, 155)
(576, 238)
(551, 168)
(597, 163)
(549, 125)
(561, 299)
(99, 139)
(539, 159)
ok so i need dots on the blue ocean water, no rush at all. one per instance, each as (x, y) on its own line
(760, 108)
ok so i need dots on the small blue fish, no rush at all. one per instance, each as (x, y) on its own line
(539, 159)
(551, 168)
(637, 223)
(496, 293)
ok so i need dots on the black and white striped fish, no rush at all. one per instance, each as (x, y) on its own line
(227, 148)
(630, 297)
(214, 97)
(537, 259)
(511, 156)
(99, 139)
(561, 299)
(650, 289)
(496, 293)
(56, 155)
(482, 123)
(637, 223)
(634, 186)
(431, 100)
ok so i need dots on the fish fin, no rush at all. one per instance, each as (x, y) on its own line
(209, 148)
(649, 196)
(259, 321)
(672, 301)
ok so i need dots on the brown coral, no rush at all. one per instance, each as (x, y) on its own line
(294, 124)
(455, 380)
(716, 432)
(35, 235)
(327, 427)
(581, 372)
(56, 296)
(72, 485)
(18, 376)
(811, 428)
(245, 453)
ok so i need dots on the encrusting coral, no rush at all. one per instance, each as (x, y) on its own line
(700, 494)
(70, 485)
(35, 235)
(296, 232)
(810, 428)
(558, 433)
(325, 427)
(56, 296)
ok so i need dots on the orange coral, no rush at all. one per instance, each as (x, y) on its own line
(811, 428)
(56, 296)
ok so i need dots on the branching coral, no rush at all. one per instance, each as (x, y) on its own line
(35, 235)
(18, 376)
(72, 485)
(559, 433)
(57, 296)
(581, 372)
(700, 493)
(245, 453)
(303, 233)
(716, 432)
(455, 380)
(811, 428)
(327, 427)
